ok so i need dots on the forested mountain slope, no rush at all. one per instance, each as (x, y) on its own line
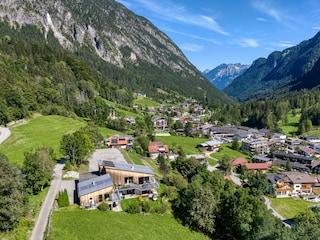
(122, 46)
(280, 73)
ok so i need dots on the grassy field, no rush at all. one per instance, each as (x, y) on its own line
(145, 102)
(289, 207)
(76, 224)
(39, 131)
(225, 149)
(291, 127)
(188, 144)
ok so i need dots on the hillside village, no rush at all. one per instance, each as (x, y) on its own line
(292, 164)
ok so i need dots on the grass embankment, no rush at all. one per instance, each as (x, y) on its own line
(73, 223)
(226, 149)
(289, 207)
(39, 131)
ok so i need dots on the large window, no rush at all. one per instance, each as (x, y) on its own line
(143, 180)
(128, 180)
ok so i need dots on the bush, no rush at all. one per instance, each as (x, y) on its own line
(133, 208)
(146, 207)
(103, 206)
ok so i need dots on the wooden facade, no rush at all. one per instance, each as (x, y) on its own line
(97, 197)
(121, 177)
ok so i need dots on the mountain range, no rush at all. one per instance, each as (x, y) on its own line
(126, 48)
(223, 75)
(292, 69)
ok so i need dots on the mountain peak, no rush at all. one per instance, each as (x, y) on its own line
(224, 74)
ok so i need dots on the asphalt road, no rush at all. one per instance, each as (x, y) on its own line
(46, 208)
(4, 134)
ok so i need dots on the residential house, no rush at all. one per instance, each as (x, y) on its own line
(262, 159)
(122, 142)
(238, 163)
(129, 178)
(255, 167)
(158, 149)
(211, 146)
(255, 146)
(160, 123)
(292, 183)
(94, 189)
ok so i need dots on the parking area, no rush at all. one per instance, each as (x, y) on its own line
(111, 154)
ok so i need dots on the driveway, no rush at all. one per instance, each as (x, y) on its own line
(111, 154)
(4, 134)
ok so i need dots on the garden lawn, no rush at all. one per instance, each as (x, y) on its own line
(289, 207)
(225, 149)
(145, 102)
(188, 144)
(38, 132)
(76, 224)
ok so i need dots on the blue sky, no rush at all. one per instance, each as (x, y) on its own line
(212, 32)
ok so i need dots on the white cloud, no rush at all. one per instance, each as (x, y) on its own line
(248, 42)
(261, 19)
(316, 27)
(266, 8)
(169, 11)
(191, 47)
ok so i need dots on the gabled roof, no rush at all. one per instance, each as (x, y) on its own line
(298, 177)
(257, 166)
(94, 184)
(239, 161)
(126, 167)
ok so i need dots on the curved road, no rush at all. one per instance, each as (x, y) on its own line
(4, 134)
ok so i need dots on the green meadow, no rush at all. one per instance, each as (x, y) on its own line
(289, 207)
(76, 224)
(225, 149)
(39, 131)
(188, 144)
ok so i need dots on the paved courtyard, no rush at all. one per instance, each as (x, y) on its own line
(111, 154)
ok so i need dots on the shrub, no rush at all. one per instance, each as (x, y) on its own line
(133, 208)
(103, 206)
(146, 207)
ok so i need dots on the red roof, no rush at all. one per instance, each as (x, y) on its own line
(155, 147)
(239, 161)
(256, 166)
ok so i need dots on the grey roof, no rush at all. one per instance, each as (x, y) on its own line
(261, 158)
(126, 167)
(298, 177)
(94, 184)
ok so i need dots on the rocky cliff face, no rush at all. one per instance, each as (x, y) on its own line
(116, 34)
(224, 74)
(146, 59)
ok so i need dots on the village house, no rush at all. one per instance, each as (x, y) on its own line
(255, 167)
(121, 142)
(210, 146)
(159, 123)
(130, 179)
(157, 149)
(93, 189)
(262, 159)
(201, 158)
(292, 183)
